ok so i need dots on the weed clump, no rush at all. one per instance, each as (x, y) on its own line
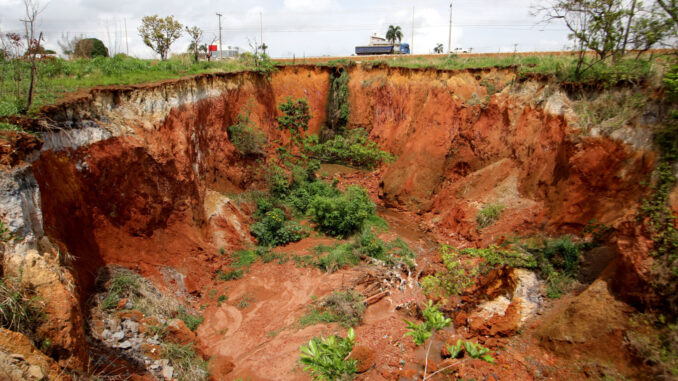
(188, 366)
(346, 308)
(366, 244)
(20, 310)
(489, 214)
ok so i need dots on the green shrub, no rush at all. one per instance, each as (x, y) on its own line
(371, 246)
(338, 106)
(346, 308)
(489, 214)
(328, 359)
(355, 149)
(247, 138)
(276, 230)
(295, 118)
(671, 82)
(343, 215)
(90, 48)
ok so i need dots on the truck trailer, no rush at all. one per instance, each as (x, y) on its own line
(379, 45)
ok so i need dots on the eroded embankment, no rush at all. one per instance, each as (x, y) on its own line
(138, 176)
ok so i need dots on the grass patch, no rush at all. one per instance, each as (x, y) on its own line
(188, 366)
(365, 244)
(345, 308)
(20, 310)
(489, 214)
(191, 321)
(56, 77)
(230, 275)
(116, 283)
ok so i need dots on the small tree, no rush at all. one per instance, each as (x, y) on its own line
(439, 49)
(195, 34)
(159, 34)
(33, 9)
(296, 115)
(394, 33)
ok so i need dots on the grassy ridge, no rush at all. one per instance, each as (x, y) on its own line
(57, 77)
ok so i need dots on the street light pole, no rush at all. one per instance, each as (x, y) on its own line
(449, 41)
(221, 49)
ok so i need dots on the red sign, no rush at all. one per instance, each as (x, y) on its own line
(213, 48)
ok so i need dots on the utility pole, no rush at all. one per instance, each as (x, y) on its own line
(126, 40)
(221, 49)
(261, 28)
(449, 41)
(412, 45)
(515, 48)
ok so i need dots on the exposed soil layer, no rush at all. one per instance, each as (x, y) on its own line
(146, 177)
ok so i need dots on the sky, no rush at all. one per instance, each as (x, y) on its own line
(300, 28)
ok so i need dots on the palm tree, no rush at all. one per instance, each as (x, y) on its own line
(439, 49)
(394, 33)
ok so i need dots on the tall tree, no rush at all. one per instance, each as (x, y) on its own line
(394, 33)
(160, 33)
(195, 34)
(671, 8)
(607, 27)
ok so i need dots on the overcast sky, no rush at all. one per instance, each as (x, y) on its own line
(299, 27)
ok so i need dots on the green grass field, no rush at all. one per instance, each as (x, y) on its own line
(57, 77)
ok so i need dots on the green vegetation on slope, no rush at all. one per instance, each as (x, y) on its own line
(56, 77)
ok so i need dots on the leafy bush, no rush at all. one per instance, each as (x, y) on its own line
(246, 136)
(434, 321)
(346, 308)
(328, 359)
(340, 216)
(295, 118)
(457, 276)
(489, 214)
(355, 149)
(275, 229)
(671, 82)
(90, 48)
(338, 106)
